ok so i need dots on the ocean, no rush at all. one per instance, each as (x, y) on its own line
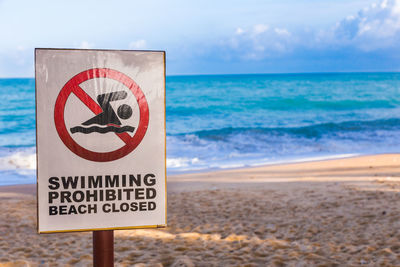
(232, 121)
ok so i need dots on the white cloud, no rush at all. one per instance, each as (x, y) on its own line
(85, 45)
(239, 31)
(376, 26)
(139, 44)
(372, 28)
(21, 48)
(260, 28)
(258, 42)
(282, 31)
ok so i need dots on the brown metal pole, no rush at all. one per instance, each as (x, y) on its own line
(103, 248)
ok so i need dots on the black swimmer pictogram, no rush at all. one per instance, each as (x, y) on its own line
(108, 117)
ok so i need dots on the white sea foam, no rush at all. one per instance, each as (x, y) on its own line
(18, 161)
(181, 162)
(27, 161)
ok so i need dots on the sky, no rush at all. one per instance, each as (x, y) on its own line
(211, 37)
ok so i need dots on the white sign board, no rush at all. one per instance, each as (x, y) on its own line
(100, 139)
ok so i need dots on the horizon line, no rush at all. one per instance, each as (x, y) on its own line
(255, 73)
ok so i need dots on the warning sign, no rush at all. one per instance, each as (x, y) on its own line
(100, 139)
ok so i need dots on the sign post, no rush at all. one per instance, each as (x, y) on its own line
(100, 143)
(103, 248)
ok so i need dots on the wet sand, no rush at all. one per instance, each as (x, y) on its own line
(330, 213)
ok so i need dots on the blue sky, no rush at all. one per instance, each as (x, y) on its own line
(211, 37)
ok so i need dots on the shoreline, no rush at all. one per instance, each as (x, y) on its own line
(276, 163)
(231, 166)
(270, 172)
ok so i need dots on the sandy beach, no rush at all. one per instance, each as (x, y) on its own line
(341, 212)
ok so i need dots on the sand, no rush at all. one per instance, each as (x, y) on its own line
(330, 213)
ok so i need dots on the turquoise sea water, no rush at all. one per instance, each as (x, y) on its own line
(227, 121)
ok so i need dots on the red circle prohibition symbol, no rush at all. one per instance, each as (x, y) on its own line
(73, 87)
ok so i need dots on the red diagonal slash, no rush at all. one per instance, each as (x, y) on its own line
(95, 108)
